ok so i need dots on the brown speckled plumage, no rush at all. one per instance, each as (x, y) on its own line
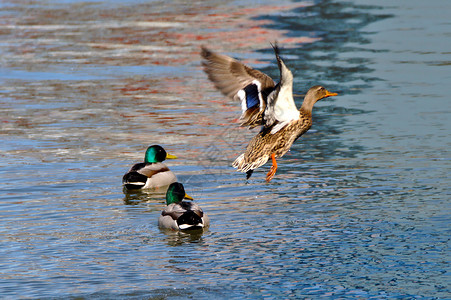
(260, 148)
(282, 122)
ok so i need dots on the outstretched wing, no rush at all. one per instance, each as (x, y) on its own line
(281, 109)
(238, 81)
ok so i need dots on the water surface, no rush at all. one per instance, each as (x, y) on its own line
(358, 209)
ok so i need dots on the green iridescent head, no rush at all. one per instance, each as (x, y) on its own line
(156, 153)
(176, 193)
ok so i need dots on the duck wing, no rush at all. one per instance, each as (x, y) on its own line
(149, 169)
(176, 210)
(281, 109)
(239, 82)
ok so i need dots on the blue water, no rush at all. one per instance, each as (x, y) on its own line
(359, 208)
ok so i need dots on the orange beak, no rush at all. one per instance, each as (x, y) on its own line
(328, 94)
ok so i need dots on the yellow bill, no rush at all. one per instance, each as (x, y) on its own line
(170, 156)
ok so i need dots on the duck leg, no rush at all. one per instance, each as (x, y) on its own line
(273, 169)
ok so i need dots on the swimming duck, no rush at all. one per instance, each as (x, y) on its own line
(179, 214)
(151, 173)
(263, 103)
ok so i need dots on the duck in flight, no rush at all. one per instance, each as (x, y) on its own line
(264, 103)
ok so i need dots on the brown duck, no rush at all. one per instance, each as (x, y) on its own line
(263, 103)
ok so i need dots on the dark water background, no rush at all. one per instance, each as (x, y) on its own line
(358, 209)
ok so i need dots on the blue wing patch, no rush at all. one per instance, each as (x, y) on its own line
(251, 91)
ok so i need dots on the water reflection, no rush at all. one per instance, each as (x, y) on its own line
(179, 238)
(135, 197)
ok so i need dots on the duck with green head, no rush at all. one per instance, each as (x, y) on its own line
(152, 173)
(179, 214)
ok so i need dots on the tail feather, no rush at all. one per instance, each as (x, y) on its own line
(134, 180)
(243, 166)
(190, 220)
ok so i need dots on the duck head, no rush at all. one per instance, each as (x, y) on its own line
(314, 94)
(156, 153)
(176, 193)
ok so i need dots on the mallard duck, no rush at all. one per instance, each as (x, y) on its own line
(151, 173)
(263, 103)
(179, 214)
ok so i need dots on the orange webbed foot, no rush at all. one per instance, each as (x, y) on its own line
(273, 169)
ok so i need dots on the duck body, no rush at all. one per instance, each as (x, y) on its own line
(265, 144)
(152, 173)
(148, 176)
(185, 215)
(263, 103)
(179, 214)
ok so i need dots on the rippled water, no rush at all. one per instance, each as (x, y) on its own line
(358, 209)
